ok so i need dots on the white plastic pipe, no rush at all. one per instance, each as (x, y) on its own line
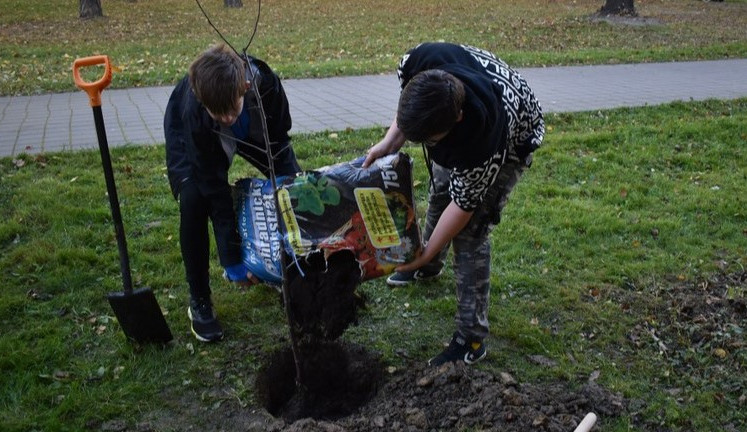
(587, 423)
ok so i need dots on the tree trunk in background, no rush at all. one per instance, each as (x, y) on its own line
(618, 7)
(90, 9)
(233, 3)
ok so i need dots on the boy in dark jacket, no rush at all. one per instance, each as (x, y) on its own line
(211, 116)
(479, 123)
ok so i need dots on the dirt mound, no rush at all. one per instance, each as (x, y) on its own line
(344, 383)
(345, 390)
(457, 397)
(451, 397)
(708, 314)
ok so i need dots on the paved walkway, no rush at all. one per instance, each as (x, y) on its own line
(64, 121)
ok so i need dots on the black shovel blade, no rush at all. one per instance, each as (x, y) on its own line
(140, 317)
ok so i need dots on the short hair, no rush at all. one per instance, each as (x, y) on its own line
(429, 104)
(217, 78)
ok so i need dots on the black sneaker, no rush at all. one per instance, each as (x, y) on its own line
(404, 278)
(205, 325)
(460, 349)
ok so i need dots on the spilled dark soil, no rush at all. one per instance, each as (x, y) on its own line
(348, 388)
(324, 297)
(343, 386)
(460, 397)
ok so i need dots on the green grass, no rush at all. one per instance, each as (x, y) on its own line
(619, 206)
(581, 221)
(153, 42)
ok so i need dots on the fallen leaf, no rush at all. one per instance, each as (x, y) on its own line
(539, 420)
(118, 371)
(153, 224)
(61, 375)
(541, 360)
(507, 379)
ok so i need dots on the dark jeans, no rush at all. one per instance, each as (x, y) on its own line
(195, 210)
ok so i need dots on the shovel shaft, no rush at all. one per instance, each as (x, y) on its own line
(94, 89)
(111, 188)
(137, 311)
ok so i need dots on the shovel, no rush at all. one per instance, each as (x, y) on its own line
(137, 311)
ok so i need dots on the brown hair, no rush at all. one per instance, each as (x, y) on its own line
(429, 104)
(217, 79)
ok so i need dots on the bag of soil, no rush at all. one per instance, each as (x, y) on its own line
(367, 211)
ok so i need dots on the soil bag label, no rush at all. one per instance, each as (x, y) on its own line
(258, 229)
(376, 217)
(368, 211)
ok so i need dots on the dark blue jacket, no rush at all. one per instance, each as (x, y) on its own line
(193, 146)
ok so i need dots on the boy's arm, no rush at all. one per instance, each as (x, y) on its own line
(451, 222)
(177, 162)
(391, 143)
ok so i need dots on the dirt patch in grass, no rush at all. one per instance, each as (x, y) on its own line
(414, 398)
(694, 328)
(694, 333)
(457, 397)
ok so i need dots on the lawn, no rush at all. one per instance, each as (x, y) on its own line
(624, 218)
(153, 42)
(620, 260)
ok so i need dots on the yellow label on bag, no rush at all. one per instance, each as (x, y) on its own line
(377, 217)
(299, 245)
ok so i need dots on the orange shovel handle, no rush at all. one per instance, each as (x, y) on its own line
(95, 88)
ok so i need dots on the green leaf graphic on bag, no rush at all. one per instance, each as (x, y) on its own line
(312, 193)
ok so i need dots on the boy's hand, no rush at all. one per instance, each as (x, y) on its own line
(412, 265)
(392, 142)
(240, 274)
(381, 149)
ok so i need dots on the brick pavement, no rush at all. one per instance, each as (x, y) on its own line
(64, 121)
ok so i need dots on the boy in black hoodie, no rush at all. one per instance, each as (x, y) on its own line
(211, 116)
(478, 122)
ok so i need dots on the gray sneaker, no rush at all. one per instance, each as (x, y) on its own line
(404, 278)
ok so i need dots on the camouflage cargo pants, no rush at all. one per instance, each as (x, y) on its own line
(472, 245)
